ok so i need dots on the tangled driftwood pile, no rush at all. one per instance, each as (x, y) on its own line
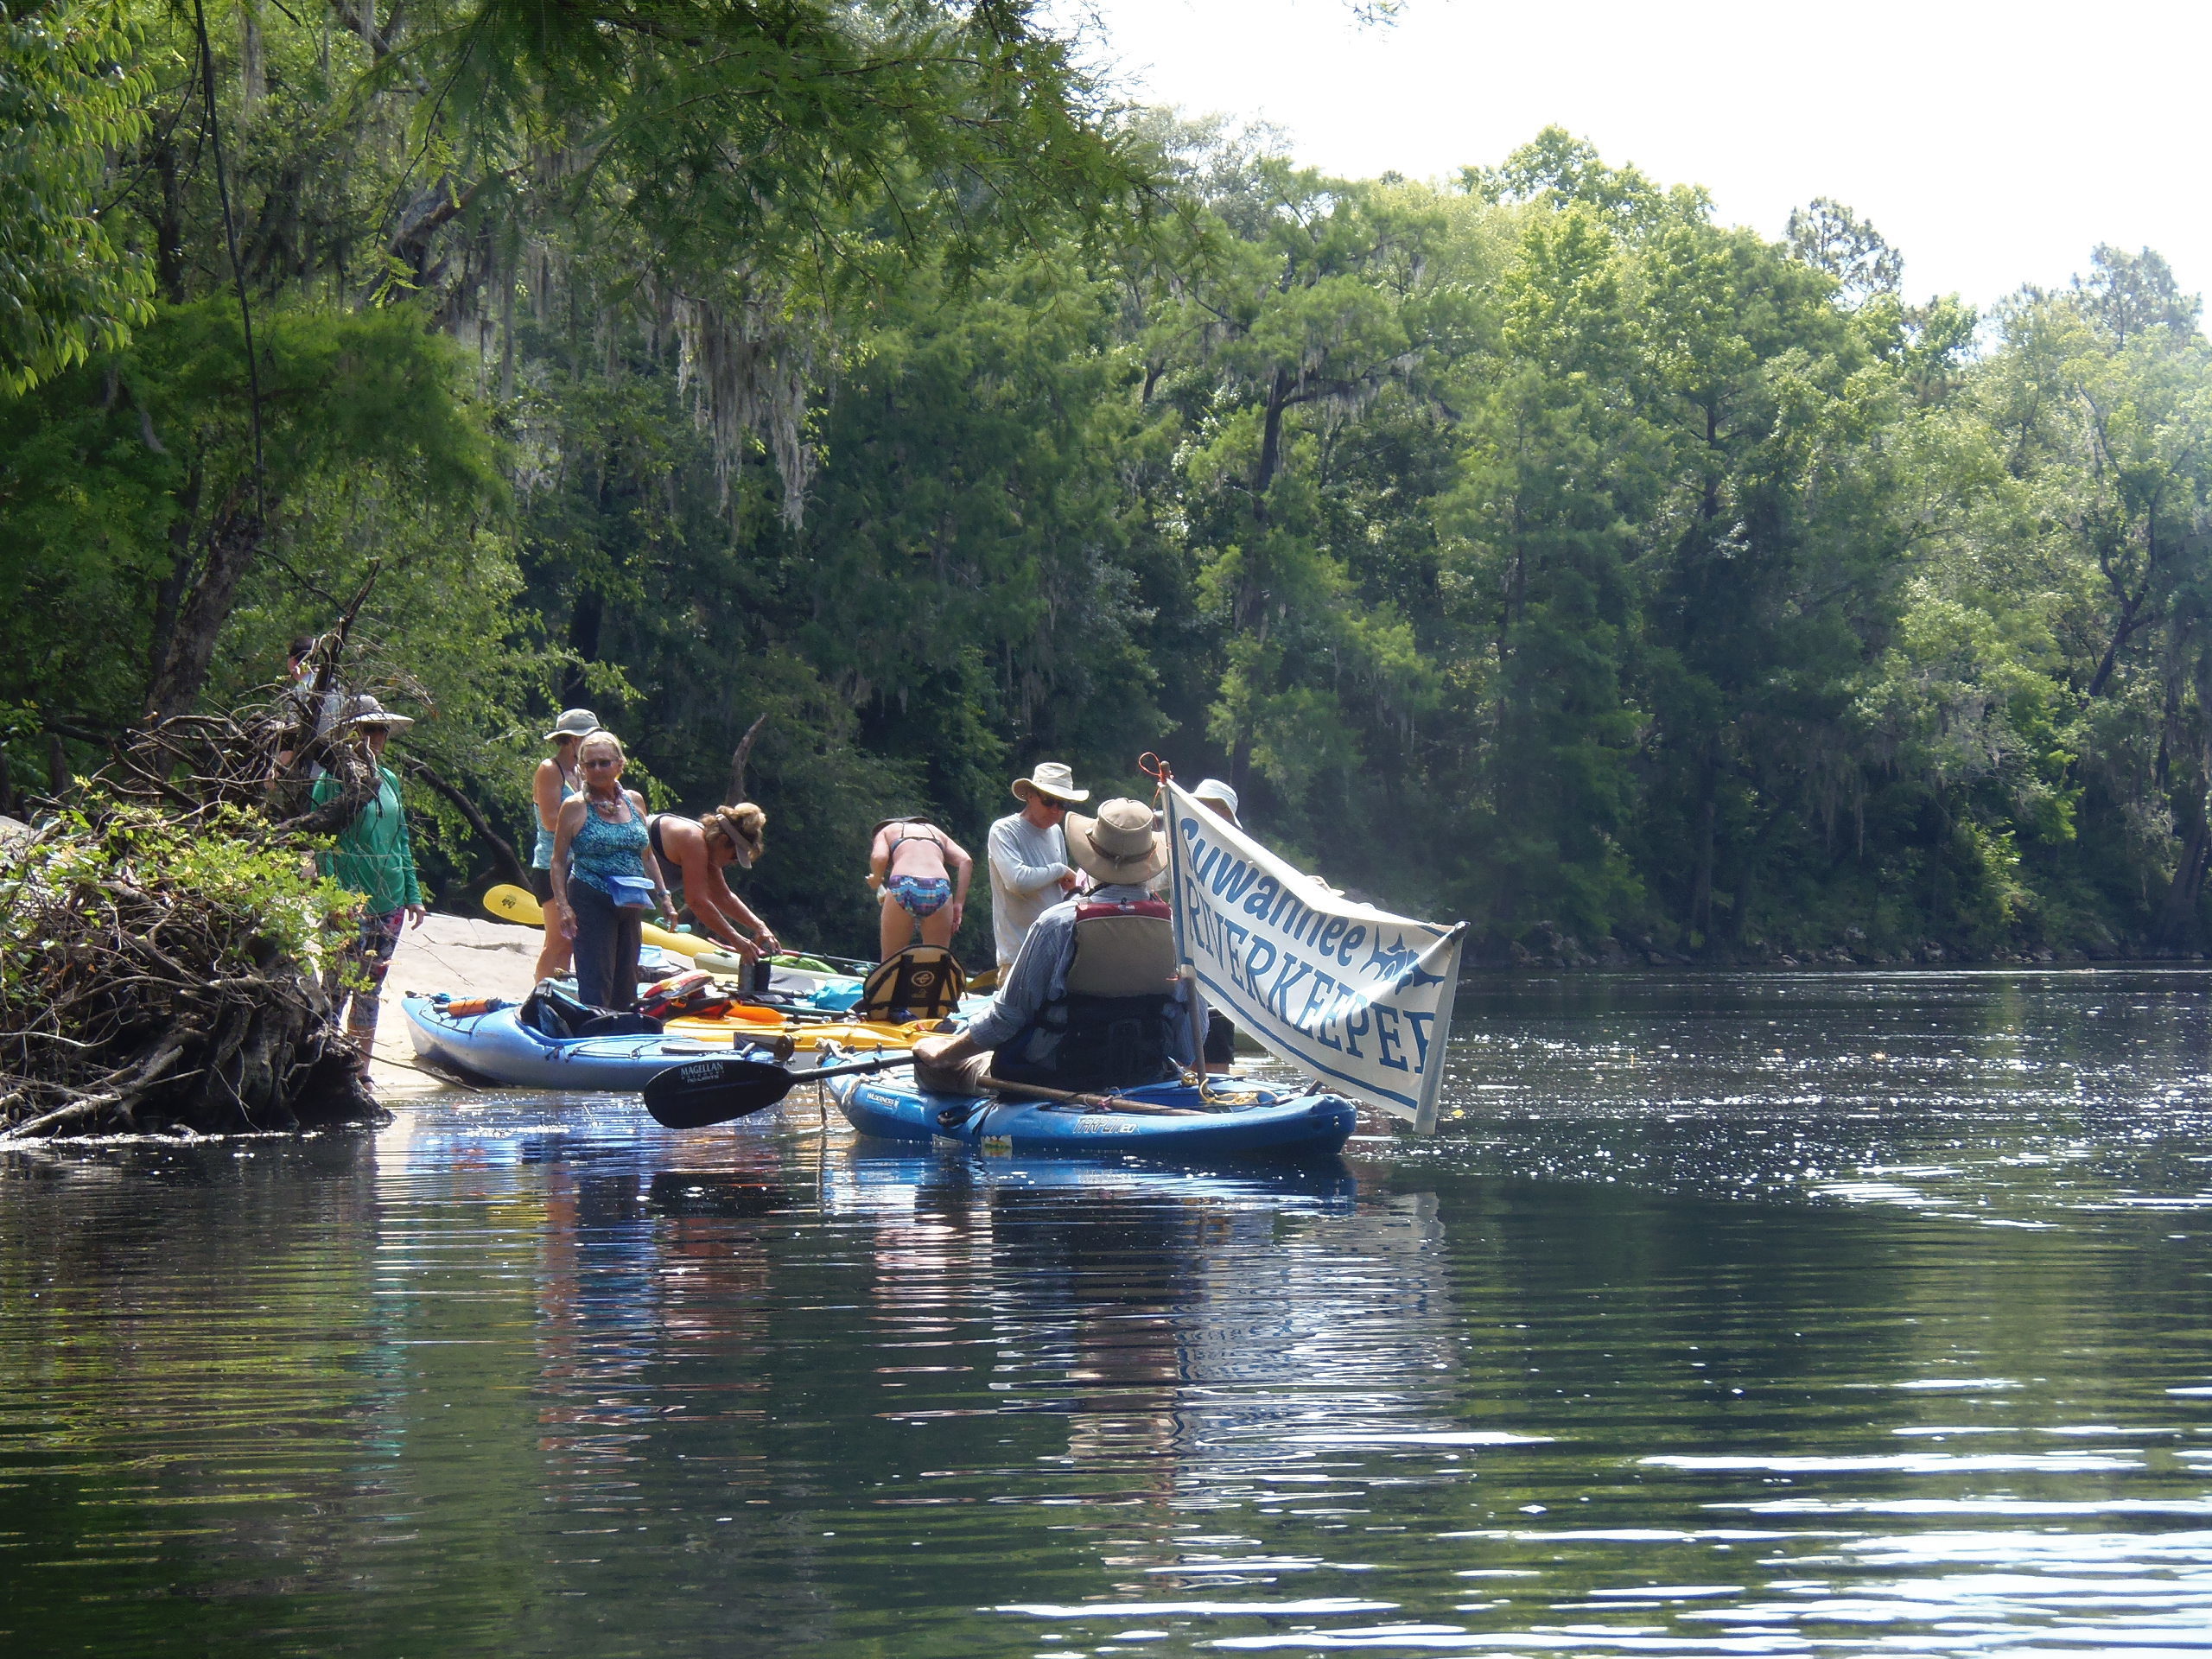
(167, 954)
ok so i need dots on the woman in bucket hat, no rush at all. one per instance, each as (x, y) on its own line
(555, 780)
(1028, 854)
(375, 858)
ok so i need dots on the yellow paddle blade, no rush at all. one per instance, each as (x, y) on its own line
(512, 904)
(865, 1036)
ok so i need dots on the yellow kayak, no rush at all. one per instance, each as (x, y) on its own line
(513, 903)
(741, 1026)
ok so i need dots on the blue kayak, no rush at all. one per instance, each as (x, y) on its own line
(1242, 1120)
(498, 1047)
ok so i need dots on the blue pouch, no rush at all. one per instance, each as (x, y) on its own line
(629, 892)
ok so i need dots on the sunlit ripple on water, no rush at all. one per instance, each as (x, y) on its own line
(1893, 1342)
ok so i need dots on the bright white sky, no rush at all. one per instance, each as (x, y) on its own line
(1992, 144)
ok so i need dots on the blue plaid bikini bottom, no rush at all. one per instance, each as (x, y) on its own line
(920, 895)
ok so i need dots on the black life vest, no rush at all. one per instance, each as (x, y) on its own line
(1112, 1028)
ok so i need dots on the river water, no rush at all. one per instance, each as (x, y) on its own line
(1848, 1313)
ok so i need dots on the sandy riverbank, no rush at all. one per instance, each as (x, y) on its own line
(459, 954)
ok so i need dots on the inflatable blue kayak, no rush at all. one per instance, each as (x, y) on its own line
(497, 1046)
(1238, 1120)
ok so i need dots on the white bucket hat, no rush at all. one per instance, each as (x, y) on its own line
(1119, 845)
(1049, 777)
(574, 723)
(1214, 790)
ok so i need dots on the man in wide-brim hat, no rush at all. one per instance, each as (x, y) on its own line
(1028, 856)
(1093, 1000)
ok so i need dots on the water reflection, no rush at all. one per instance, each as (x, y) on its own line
(1692, 1355)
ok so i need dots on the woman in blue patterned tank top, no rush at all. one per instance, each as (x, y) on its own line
(601, 835)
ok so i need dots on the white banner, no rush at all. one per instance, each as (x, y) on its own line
(1357, 996)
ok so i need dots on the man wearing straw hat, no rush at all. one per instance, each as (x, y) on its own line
(1093, 1000)
(1028, 854)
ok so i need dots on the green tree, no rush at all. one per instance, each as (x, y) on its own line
(72, 93)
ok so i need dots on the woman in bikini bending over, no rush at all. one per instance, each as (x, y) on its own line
(921, 877)
(692, 853)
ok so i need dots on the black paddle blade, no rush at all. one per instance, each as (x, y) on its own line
(717, 1090)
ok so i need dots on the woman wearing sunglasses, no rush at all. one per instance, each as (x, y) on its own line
(604, 876)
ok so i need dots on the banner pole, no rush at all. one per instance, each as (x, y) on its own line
(1425, 1119)
(1194, 999)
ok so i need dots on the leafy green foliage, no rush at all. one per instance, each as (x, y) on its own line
(72, 93)
(1540, 548)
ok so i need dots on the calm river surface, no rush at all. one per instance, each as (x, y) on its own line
(1855, 1313)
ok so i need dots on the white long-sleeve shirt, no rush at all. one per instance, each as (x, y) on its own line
(1027, 865)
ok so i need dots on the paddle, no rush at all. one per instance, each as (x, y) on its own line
(718, 1090)
(1109, 1102)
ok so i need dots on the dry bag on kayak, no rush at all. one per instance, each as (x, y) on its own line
(553, 1013)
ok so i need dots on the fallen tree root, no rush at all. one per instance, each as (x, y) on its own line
(168, 970)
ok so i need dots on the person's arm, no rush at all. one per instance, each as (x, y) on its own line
(648, 865)
(1007, 865)
(557, 914)
(413, 903)
(1022, 990)
(1026, 982)
(879, 861)
(715, 903)
(964, 869)
(545, 791)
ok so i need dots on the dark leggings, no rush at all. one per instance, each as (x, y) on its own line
(608, 943)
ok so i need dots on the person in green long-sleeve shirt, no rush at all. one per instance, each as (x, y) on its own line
(375, 859)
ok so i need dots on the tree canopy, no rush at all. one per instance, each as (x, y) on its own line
(1534, 547)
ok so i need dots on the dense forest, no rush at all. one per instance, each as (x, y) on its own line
(1530, 546)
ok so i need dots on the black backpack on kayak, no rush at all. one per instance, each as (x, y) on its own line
(551, 1011)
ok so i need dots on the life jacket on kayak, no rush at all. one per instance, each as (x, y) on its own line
(1112, 1028)
(922, 981)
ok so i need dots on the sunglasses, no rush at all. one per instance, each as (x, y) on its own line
(600, 765)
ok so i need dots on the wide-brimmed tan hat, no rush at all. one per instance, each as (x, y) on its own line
(574, 723)
(365, 710)
(1049, 777)
(1118, 845)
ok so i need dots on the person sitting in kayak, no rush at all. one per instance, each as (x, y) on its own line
(691, 853)
(1093, 1000)
(911, 866)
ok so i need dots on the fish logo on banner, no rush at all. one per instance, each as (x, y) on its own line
(1353, 994)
